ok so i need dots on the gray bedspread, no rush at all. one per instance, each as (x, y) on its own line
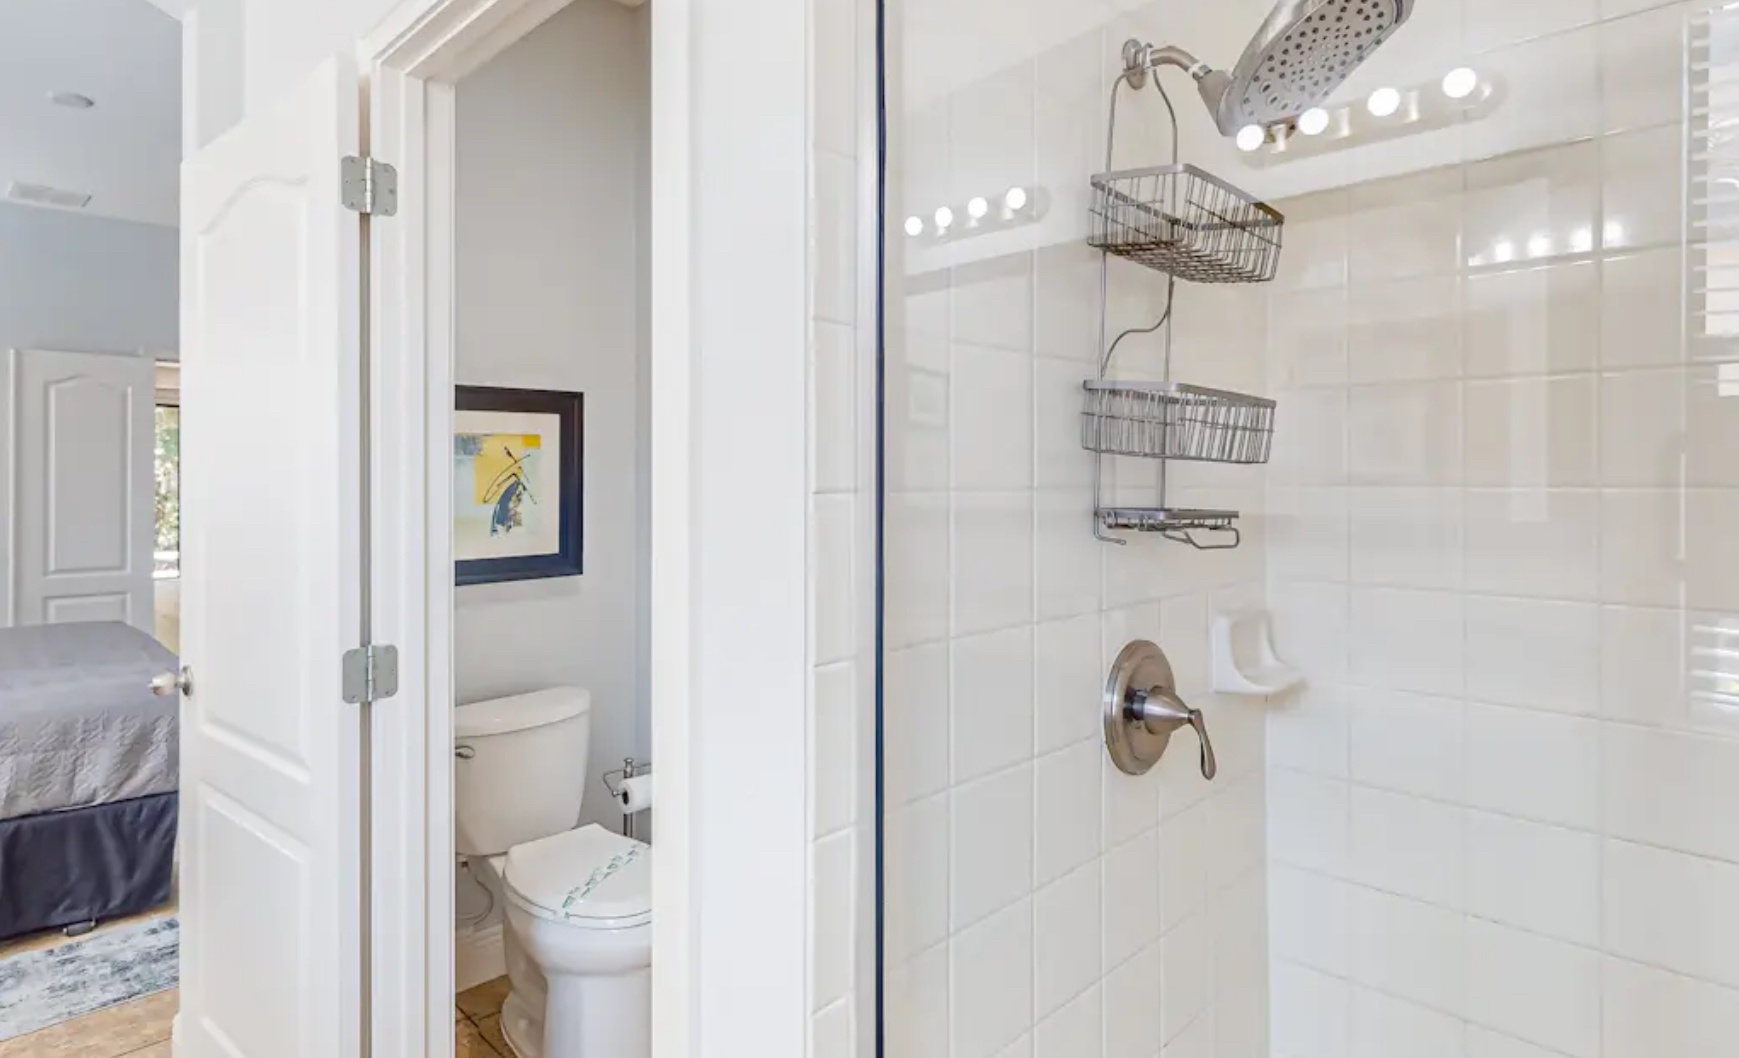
(79, 725)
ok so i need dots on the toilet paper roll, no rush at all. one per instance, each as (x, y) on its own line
(636, 794)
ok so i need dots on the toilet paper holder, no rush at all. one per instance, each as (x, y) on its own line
(613, 780)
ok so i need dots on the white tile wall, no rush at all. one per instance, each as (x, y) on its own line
(1501, 515)
(1054, 906)
(841, 718)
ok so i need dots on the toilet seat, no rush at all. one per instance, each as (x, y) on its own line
(591, 878)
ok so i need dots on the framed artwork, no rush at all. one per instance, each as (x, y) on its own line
(517, 484)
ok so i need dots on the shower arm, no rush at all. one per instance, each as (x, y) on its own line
(1141, 58)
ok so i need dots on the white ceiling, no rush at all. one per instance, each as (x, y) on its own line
(125, 54)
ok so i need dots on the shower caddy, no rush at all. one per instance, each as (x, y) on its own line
(1188, 225)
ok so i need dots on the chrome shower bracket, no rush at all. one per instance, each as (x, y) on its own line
(1140, 57)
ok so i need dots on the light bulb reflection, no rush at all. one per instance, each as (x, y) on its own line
(1313, 122)
(1460, 83)
(1540, 246)
(1612, 233)
(1384, 102)
(1504, 252)
(1582, 241)
(1251, 137)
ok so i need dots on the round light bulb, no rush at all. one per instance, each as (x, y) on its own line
(944, 218)
(977, 208)
(1016, 199)
(1384, 102)
(1251, 138)
(1460, 83)
(1313, 122)
(914, 226)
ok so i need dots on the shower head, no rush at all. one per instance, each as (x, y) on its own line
(1304, 51)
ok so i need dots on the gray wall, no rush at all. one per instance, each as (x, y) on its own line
(550, 278)
(87, 284)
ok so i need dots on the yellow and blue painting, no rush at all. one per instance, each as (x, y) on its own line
(517, 484)
(497, 471)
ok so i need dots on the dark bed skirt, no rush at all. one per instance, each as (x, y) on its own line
(102, 862)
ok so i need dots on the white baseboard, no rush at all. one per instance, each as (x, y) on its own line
(479, 955)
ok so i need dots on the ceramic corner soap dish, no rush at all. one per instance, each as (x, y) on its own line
(1244, 661)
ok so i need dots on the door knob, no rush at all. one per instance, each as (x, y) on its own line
(1142, 711)
(172, 683)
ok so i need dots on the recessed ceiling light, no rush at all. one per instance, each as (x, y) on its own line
(71, 100)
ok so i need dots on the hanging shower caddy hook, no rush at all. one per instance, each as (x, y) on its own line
(1188, 225)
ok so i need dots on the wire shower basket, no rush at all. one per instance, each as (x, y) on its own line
(1169, 420)
(1186, 223)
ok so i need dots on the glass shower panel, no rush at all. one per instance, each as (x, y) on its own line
(1499, 537)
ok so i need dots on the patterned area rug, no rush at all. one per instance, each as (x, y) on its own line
(43, 988)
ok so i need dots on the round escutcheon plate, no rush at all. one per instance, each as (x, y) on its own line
(1140, 667)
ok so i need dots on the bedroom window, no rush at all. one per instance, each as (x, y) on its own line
(167, 545)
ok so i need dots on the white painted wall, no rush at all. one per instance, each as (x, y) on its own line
(86, 284)
(551, 192)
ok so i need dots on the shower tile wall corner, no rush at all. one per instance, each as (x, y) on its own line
(1039, 903)
(1502, 516)
(842, 421)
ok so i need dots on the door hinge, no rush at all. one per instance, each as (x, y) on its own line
(371, 673)
(369, 186)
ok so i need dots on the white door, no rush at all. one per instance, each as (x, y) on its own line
(81, 467)
(271, 532)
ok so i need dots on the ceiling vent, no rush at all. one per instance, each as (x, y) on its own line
(43, 195)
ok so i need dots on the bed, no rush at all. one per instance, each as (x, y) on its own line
(89, 773)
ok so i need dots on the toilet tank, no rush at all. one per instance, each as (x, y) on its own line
(520, 768)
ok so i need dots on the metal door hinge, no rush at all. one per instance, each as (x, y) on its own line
(371, 673)
(369, 186)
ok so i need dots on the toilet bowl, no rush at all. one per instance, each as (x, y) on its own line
(579, 900)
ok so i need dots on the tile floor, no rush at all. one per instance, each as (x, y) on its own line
(54, 938)
(137, 1029)
(479, 1027)
(140, 1028)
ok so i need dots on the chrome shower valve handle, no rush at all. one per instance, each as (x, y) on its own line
(1142, 711)
(1163, 712)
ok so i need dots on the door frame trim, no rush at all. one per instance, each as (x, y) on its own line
(728, 540)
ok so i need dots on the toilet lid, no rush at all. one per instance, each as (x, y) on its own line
(588, 876)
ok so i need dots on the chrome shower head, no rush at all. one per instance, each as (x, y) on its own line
(1304, 51)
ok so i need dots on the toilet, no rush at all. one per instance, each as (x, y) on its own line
(579, 899)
